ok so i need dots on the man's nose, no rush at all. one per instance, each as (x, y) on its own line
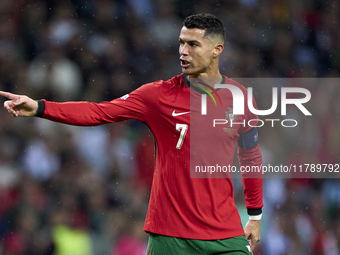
(183, 50)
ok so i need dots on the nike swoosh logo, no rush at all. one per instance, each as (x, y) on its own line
(178, 114)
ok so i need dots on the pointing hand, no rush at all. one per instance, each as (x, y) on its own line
(19, 105)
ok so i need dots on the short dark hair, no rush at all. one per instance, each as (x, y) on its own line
(207, 21)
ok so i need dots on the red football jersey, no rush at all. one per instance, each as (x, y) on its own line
(179, 206)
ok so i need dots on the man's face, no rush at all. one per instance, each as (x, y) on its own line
(196, 52)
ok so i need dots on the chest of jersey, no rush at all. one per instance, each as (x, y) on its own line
(182, 132)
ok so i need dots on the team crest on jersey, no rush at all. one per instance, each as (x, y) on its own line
(230, 117)
(124, 97)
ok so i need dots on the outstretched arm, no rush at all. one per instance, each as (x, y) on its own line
(19, 105)
(80, 113)
(136, 105)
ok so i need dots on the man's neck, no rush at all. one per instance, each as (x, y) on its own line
(205, 75)
(209, 79)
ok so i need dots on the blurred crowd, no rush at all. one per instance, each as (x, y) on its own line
(84, 191)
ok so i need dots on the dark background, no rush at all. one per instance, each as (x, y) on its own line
(67, 190)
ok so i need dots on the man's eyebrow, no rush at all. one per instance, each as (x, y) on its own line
(189, 41)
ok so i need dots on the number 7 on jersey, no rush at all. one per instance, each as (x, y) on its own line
(183, 128)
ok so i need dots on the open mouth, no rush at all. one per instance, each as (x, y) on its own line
(184, 63)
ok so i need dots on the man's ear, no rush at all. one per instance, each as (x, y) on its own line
(217, 50)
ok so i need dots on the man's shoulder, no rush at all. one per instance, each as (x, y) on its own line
(166, 84)
(175, 80)
(153, 89)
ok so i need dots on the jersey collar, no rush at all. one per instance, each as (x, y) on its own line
(187, 82)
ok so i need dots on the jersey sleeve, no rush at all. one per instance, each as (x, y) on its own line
(250, 157)
(135, 105)
(252, 181)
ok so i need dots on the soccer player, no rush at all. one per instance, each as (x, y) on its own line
(185, 215)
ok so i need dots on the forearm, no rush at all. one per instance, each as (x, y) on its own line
(135, 105)
(76, 113)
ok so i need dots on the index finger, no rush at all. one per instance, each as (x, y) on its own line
(8, 95)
